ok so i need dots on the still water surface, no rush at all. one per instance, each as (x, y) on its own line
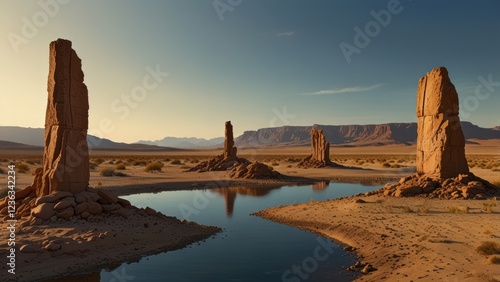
(249, 248)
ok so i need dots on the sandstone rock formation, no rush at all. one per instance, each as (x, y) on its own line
(440, 140)
(66, 162)
(253, 171)
(442, 170)
(227, 159)
(229, 149)
(320, 149)
(238, 167)
(60, 189)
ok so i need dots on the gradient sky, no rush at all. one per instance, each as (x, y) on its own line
(258, 63)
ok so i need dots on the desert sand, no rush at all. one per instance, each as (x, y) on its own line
(405, 239)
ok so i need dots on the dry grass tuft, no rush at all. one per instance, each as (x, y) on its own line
(489, 248)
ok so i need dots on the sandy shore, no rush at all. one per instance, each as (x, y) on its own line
(77, 246)
(406, 239)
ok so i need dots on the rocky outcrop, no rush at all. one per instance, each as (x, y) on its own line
(440, 140)
(442, 170)
(238, 167)
(253, 171)
(320, 148)
(464, 186)
(227, 159)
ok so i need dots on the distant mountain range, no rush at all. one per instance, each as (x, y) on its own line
(23, 138)
(339, 135)
(351, 135)
(185, 142)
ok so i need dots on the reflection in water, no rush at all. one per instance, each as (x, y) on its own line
(318, 186)
(229, 194)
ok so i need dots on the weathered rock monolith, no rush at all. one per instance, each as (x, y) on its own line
(236, 167)
(320, 148)
(440, 140)
(442, 170)
(229, 149)
(66, 161)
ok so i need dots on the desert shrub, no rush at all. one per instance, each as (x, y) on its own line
(141, 162)
(386, 165)
(458, 210)
(488, 207)
(93, 165)
(118, 173)
(154, 167)
(395, 166)
(107, 171)
(167, 160)
(4, 160)
(98, 161)
(176, 162)
(195, 161)
(407, 209)
(111, 162)
(120, 167)
(293, 160)
(275, 164)
(488, 248)
(424, 210)
(494, 260)
(22, 168)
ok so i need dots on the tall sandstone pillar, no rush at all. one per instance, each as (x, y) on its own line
(440, 140)
(66, 157)
(319, 146)
(229, 149)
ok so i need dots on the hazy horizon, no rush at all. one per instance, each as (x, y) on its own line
(257, 63)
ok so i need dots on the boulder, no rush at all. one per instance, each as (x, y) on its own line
(94, 208)
(53, 197)
(107, 196)
(66, 214)
(44, 211)
(82, 207)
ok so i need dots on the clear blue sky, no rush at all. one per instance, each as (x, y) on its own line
(247, 60)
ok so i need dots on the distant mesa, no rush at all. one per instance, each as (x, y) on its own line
(442, 170)
(337, 135)
(238, 167)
